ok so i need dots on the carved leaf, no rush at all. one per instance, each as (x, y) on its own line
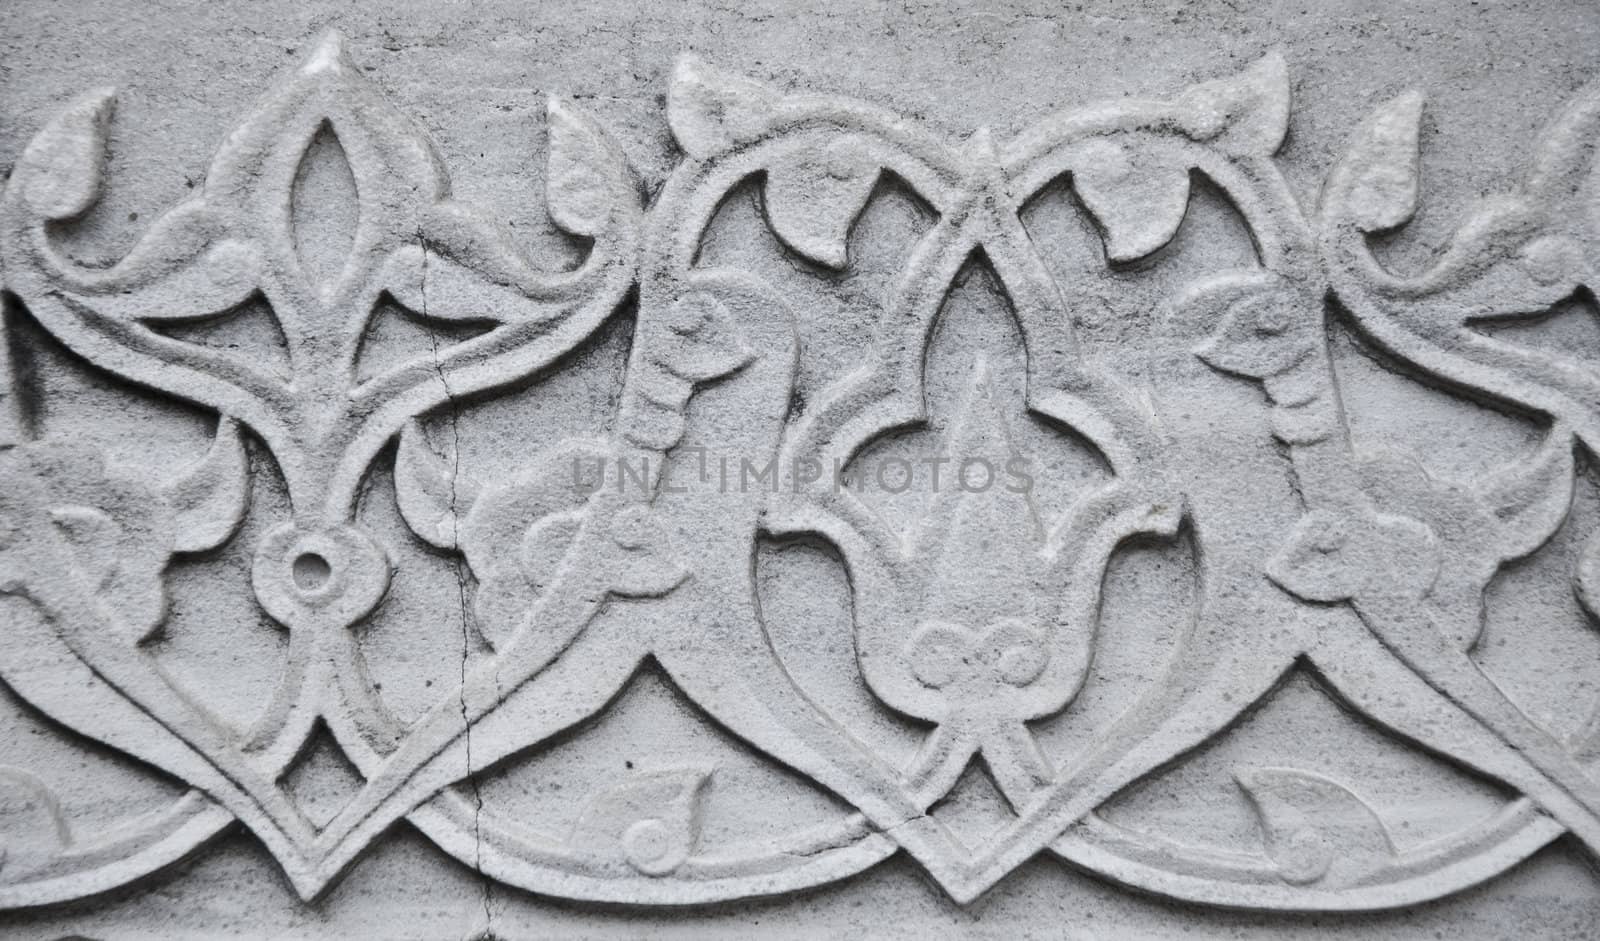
(814, 195)
(1531, 499)
(1246, 114)
(1376, 184)
(577, 192)
(711, 111)
(496, 521)
(60, 170)
(116, 531)
(434, 289)
(651, 821)
(517, 533)
(433, 497)
(32, 828)
(224, 277)
(210, 500)
(507, 594)
(1316, 830)
(505, 598)
(1139, 200)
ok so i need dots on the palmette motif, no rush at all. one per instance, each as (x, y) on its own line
(978, 623)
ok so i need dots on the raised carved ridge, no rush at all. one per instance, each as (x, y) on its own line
(979, 625)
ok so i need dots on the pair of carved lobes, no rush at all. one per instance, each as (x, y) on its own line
(971, 624)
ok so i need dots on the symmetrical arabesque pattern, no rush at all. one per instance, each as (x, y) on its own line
(977, 624)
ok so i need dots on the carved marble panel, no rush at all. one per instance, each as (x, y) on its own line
(825, 504)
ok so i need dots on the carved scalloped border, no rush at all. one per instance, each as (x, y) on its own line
(824, 148)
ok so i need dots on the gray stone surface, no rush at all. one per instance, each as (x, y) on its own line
(388, 545)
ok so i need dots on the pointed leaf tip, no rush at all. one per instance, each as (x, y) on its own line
(1139, 200)
(651, 820)
(814, 195)
(1316, 829)
(577, 193)
(1376, 184)
(711, 111)
(1532, 498)
(210, 500)
(1245, 114)
(60, 171)
(433, 499)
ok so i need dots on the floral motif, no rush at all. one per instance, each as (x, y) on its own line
(113, 531)
(324, 263)
(115, 535)
(979, 623)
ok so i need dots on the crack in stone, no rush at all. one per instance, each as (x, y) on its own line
(457, 564)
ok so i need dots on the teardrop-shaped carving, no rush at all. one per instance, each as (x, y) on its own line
(711, 111)
(60, 171)
(209, 501)
(1376, 185)
(1139, 200)
(652, 820)
(1315, 828)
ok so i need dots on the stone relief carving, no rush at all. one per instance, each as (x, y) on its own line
(976, 624)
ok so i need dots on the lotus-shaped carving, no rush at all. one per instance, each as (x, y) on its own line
(325, 206)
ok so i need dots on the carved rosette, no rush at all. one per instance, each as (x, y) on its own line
(979, 624)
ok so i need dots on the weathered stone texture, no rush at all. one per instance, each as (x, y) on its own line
(1102, 470)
